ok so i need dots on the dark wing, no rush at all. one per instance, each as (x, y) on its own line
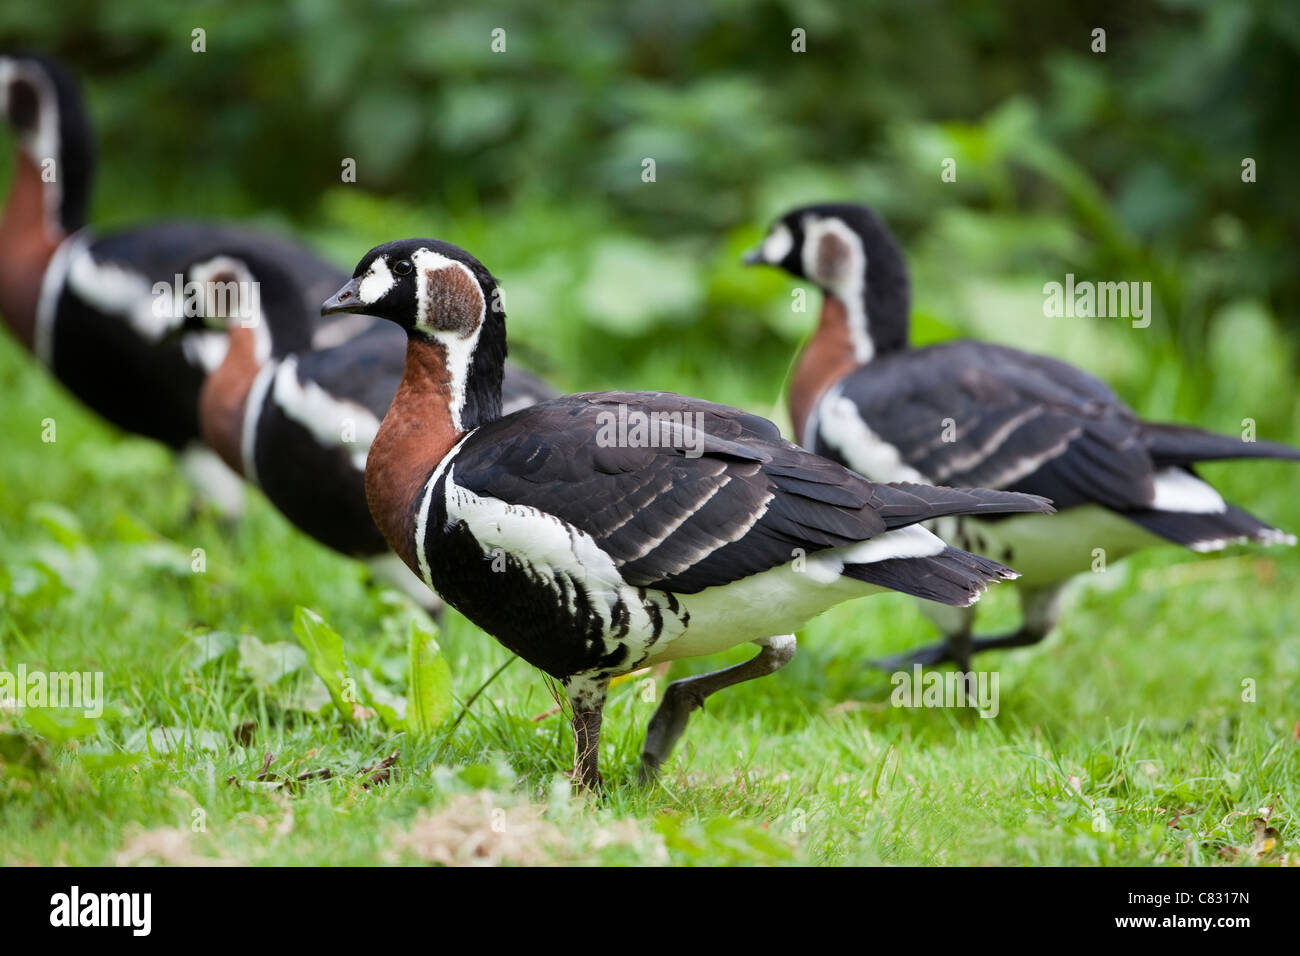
(723, 498)
(1184, 445)
(977, 415)
(365, 370)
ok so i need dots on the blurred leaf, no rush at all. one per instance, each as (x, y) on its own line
(268, 664)
(211, 646)
(61, 524)
(60, 725)
(21, 755)
(631, 283)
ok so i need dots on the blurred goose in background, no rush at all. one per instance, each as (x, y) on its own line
(86, 306)
(591, 548)
(974, 414)
(299, 427)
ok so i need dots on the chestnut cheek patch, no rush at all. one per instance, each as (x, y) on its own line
(833, 257)
(452, 301)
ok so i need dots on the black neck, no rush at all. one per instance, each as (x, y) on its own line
(886, 304)
(486, 370)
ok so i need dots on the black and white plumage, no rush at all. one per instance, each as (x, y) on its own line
(304, 428)
(969, 413)
(98, 323)
(590, 555)
(87, 305)
(100, 334)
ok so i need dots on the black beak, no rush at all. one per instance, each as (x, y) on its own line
(754, 257)
(347, 299)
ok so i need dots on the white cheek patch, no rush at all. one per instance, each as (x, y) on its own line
(843, 273)
(42, 143)
(376, 282)
(6, 75)
(231, 293)
(832, 254)
(458, 346)
(778, 244)
(427, 264)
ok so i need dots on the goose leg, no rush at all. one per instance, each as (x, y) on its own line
(587, 698)
(955, 623)
(1040, 610)
(683, 696)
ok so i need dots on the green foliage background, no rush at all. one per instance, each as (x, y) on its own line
(1117, 166)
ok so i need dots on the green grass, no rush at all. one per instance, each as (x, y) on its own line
(1131, 713)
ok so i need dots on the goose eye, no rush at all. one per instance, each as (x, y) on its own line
(403, 267)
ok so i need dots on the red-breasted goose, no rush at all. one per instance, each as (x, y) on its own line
(592, 548)
(87, 306)
(969, 413)
(300, 427)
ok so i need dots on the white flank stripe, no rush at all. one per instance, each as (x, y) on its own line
(322, 414)
(866, 452)
(545, 544)
(253, 414)
(48, 303)
(114, 290)
(1179, 490)
(422, 519)
(850, 286)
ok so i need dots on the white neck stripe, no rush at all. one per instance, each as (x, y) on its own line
(422, 519)
(849, 288)
(458, 349)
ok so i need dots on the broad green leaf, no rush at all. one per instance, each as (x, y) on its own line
(389, 706)
(429, 685)
(324, 649)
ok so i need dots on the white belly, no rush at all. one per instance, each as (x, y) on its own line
(1050, 548)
